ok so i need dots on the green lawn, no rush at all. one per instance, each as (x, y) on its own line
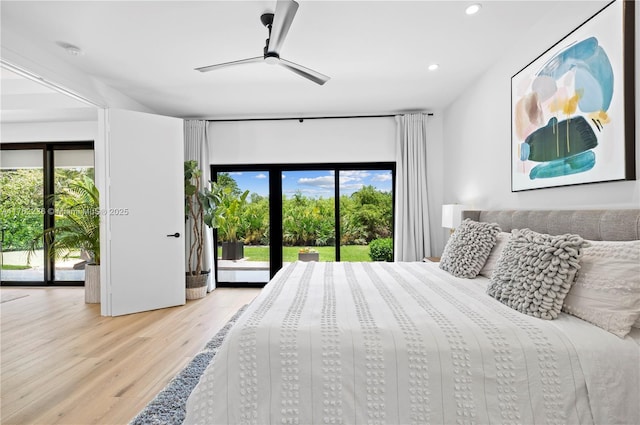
(290, 253)
(14, 267)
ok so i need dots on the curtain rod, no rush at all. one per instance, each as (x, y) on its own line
(430, 114)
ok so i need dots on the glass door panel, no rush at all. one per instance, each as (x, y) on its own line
(366, 214)
(21, 215)
(71, 167)
(308, 215)
(243, 236)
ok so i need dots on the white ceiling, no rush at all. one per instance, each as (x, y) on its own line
(25, 100)
(376, 53)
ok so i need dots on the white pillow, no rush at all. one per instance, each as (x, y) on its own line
(606, 291)
(489, 266)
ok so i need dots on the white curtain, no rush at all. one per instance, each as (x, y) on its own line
(196, 147)
(411, 235)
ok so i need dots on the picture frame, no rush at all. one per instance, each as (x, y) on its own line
(573, 107)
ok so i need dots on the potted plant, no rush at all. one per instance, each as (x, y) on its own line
(77, 228)
(227, 219)
(308, 254)
(199, 207)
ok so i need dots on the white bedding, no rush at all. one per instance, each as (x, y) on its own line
(401, 343)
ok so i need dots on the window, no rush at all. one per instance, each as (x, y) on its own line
(322, 212)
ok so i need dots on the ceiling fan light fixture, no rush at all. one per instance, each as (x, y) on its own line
(473, 9)
(271, 59)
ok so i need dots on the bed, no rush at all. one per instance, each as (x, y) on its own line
(409, 343)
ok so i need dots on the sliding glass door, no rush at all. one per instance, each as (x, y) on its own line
(307, 212)
(31, 176)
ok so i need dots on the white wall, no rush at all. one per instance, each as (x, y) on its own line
(477, 137)
(310, 141)
(324, 141)
(49, 131)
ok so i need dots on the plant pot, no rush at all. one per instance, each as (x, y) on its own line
(232, 250)
(308, 256)
(196, 285)
(92, 284)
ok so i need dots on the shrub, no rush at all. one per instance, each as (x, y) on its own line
(381, 249)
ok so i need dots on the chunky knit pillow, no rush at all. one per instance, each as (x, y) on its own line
(535, 272)
(468, 248)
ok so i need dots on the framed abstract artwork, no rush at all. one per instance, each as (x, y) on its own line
(573, 108)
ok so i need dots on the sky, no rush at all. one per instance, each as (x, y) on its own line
(315, 184)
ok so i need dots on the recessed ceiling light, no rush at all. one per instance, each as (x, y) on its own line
(473, 9)
(433, 67)
(70, 48)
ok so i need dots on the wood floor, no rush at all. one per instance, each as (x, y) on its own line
(63, 363)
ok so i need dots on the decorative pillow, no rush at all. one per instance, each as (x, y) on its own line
(468, 248)
(489, 266)
(535, 272)
(607, 287)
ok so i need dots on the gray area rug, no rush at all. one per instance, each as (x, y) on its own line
(169, 406)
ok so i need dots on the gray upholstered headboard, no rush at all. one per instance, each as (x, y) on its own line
(598, 225)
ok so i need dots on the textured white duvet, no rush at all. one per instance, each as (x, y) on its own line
(407, 343)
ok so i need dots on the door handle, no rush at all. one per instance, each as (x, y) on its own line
(175, 235)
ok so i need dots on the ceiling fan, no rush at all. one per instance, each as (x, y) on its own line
(278, 24)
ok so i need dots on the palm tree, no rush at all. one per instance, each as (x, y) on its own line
(77, 223)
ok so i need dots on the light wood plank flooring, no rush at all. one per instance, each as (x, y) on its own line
(63, 363)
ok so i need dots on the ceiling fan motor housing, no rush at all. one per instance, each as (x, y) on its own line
(267, 20)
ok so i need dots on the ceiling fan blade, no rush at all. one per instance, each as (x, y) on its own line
(307, 73)
(282, 18)
(222, 65)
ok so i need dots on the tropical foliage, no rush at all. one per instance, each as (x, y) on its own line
(22, 205)
(229, 211)
(200, 207)
(365, 215)
(254, 224)
(308, 221)
(77, 222)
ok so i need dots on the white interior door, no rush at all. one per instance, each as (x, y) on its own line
(145, 267)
